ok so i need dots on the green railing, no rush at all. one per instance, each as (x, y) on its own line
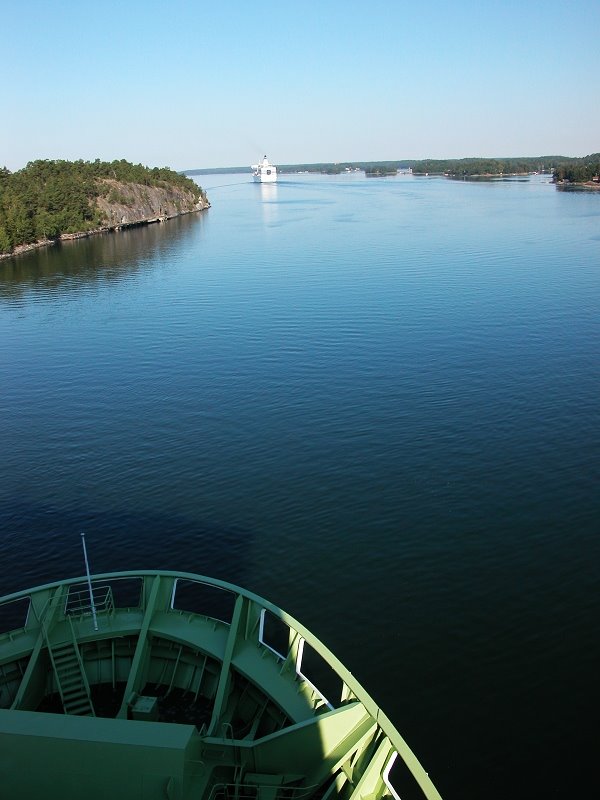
(78, 603)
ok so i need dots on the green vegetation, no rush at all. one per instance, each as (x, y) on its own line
(579, 170)
(49, 198)
(381, 170)
(563, 168)
(467, 167)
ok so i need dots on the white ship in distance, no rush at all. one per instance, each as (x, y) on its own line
(264, 172)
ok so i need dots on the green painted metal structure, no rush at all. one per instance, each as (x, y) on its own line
(190, 688)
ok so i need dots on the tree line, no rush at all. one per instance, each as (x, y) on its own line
(561, 167)
(48, 198)
(465, 167)
(580, 170)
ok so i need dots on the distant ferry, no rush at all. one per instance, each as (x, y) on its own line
(265, 172)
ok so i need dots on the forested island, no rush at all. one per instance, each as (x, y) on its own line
(585, 171)
(562, 168)
(52, 200)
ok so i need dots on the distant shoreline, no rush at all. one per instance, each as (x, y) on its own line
(582, 186)
(481, 165)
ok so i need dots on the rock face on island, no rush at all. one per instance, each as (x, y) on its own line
(136, 203)
(50, 201)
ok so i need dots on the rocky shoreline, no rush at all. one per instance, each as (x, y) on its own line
(582, 186)
(127, 205)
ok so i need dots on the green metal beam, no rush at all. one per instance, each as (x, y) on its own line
(237, 629)
(142, 651)
(371, 781)
(326, 740)
(28, 688)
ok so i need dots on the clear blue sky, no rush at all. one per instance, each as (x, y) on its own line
(205, 84)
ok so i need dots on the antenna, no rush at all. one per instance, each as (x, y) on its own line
(89, 581)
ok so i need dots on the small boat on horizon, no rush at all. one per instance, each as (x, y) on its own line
(264, 172)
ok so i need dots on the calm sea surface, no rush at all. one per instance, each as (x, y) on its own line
(374, 402)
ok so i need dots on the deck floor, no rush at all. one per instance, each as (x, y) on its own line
(176, 706)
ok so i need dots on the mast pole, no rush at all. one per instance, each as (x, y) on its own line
(89, 582)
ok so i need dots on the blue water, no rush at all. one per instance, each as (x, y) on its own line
(372, 401)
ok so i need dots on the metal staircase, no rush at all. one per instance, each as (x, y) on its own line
(65, 657)
(71, 680)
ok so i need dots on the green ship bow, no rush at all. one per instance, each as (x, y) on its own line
(174, 685)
